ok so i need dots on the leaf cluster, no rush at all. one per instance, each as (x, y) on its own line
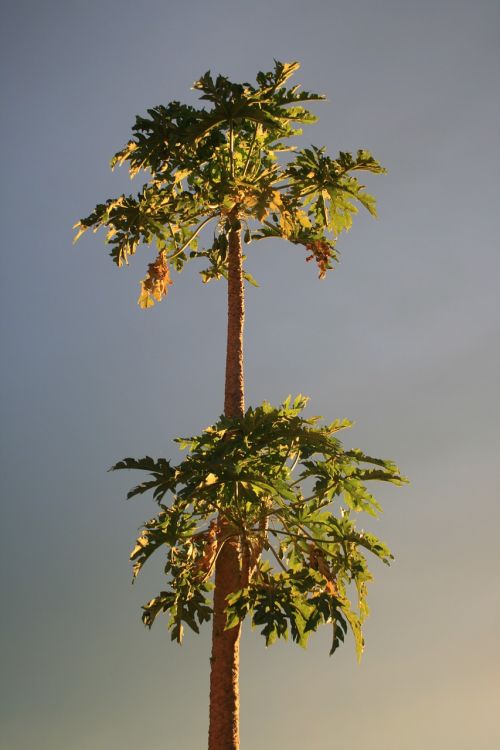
(285, 487)
(231, 163)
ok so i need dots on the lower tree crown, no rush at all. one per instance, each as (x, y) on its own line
(287, 489)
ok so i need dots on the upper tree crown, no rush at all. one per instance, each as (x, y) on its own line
(231, 163)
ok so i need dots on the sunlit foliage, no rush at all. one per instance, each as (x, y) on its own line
(230, 163)
(287, 489)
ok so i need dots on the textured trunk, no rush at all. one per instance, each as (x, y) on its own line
(224, 689)
(234, 397)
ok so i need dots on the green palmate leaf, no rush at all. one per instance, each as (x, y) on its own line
(224, 163)
(355, 625)
(301, 551)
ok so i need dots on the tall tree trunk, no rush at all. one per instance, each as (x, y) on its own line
(224, 731)
(234, 396)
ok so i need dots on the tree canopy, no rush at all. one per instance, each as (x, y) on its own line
(231, 163)
(286, 487)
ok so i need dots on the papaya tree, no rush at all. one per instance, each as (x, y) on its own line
(258, 519)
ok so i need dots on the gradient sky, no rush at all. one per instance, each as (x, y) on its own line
(402, 337)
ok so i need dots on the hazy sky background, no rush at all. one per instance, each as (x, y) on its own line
(402, 337)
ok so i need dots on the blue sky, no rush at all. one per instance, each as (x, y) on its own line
(402, 337)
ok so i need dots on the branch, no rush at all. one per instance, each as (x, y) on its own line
(307, 537)
(219, 549)
(247, 161)
(193, 236)
(231, 148)
(277, 557)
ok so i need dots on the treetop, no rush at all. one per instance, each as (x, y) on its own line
(230, 163)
